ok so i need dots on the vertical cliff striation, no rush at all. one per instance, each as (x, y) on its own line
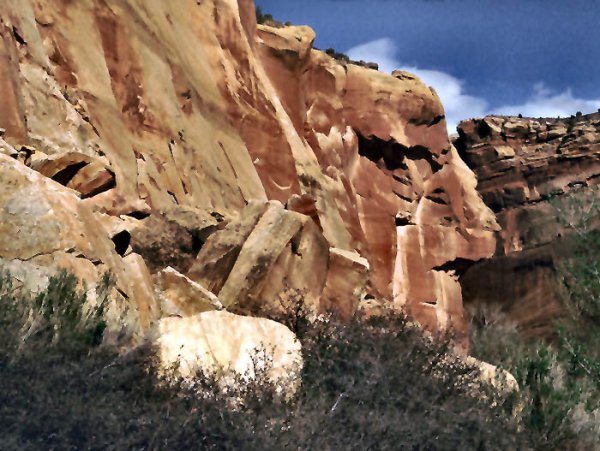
(145, 134)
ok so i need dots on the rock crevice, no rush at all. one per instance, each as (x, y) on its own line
(245, 159)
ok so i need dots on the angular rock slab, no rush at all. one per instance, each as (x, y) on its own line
(347, 275)
(182, 296)
(240, 114)
(86, 175)
(45, 225)
(255, 260)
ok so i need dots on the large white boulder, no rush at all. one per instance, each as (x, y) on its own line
(223, 343)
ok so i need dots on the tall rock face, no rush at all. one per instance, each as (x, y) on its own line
(183, 135)
(532, 173)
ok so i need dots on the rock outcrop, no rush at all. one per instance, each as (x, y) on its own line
(145, 134)
(230, 346)
(531, 173)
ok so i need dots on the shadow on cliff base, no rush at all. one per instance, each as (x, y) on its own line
(365, 386)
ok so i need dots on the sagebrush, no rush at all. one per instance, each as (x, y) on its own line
(376, 384)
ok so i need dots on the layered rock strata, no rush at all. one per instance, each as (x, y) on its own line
(140, 135)
(539, 176)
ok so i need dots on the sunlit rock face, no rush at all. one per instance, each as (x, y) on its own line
(264, 163)
(250, 348)
(45, 226)
(533, 173)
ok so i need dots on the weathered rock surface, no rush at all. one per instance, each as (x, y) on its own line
(172, 237)
(529, 172)
(495, 376)
(181, 296)
(299, 169)
(225, 343)
(45, 226)
(77, 171)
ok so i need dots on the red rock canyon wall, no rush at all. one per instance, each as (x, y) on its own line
(530, 171)
(146, 134)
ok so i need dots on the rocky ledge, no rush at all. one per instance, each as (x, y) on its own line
(209, 162)
(531, 173)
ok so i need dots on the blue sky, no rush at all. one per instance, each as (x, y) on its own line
(534, 57)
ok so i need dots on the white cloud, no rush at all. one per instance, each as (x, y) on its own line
(382, 51)
(457, 104)
(546, 103)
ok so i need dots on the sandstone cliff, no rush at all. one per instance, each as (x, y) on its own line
(531, 173)
(146, 134)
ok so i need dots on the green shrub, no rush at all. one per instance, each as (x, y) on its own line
(379, 384)
(560, 378)
(551, 399)
(12, 317)
(384, 384)
(337, 55)
(59, 316)
(262, 18)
